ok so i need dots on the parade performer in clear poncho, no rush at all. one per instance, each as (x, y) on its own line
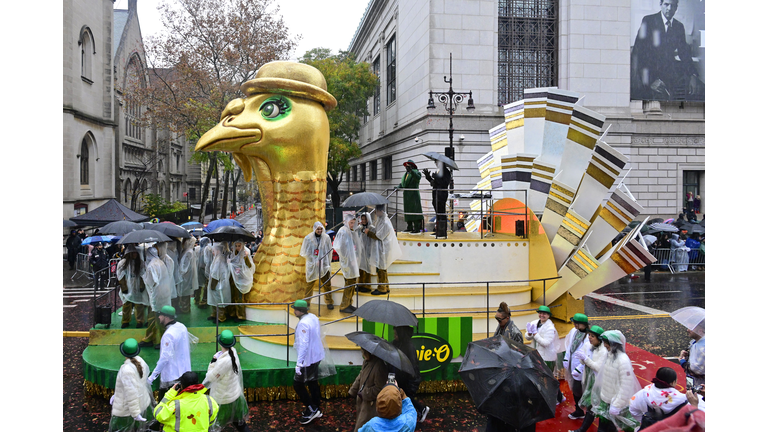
(575, 343)
(615, 384)
(157, 280)
(346, 243)
(172, 249)
(170, 264)
(175, 348)
(188, 273)
(204, 254)
(316, 250)
(132, 402)
(241, 270)
(368, 252)
(219, 290)
(592, 361)
(388, 251)
(133, 293)
(225, 380)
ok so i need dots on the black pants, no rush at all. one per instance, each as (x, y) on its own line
(606, 426)
(100, 277)
(308, 380)
(589, 417)
(577, 394)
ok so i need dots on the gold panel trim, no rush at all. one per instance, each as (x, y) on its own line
(544, 168)
(620, 211)
(599, 175)
(556, 207)
(576, 269)
(539, 175)
(592, 264)
(558, 106)
(558, 117)
(554, 194)
(535, 112)
(612, 220)
(569, 236)
(514, 124)
(563, 190)
(581, 138)
(625, 266)
(576, 220)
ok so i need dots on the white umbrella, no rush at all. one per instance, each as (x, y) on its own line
(692, 317)
(663, 227)
(649, 239)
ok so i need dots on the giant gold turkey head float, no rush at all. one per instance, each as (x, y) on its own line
(280, 132)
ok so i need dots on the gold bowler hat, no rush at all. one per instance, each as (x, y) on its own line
(292, 79)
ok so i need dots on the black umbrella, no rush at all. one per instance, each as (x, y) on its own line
(230, 233)
(382, 349)
(69, 223)
(509, 381)
(364, 199)
(442, 158)
(387, 312)
(143, 236)
(171, 230)
(120, 228)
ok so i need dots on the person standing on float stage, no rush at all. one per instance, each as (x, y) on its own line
(346, 243)
(309, 353)
(133, 293)
(440, 182)
(188, 273)
(388, 250)
(316, 250)
(412, 198)
(204, 255)
(219, 290)
(368, 252)
(225, 380)
(174, 351)
(572, 362)
(158, 282)
(241, 270)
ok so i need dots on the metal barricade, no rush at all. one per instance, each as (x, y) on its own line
(675, 260)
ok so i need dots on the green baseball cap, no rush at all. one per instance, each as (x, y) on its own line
(580, 318)
(544, 309)
(227, 339)
(130, 348)
(168, 311)
(300, 305)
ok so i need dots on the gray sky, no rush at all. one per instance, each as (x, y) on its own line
(328, 23)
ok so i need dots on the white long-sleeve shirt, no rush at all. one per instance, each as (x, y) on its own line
(546, 340)
(308, 341)
(174, 354)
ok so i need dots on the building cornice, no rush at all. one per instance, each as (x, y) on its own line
(87, 117)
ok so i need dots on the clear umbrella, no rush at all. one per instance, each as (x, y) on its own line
(692, 317)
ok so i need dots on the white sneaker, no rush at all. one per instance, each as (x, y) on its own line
(311, 416)
(423, 415)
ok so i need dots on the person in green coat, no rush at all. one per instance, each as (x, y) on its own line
(412, 198)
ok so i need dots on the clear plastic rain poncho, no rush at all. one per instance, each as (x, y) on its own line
(346, 244)
(187, 268)
(241, 268)
(202, 265)
(316, 252)
(133, 396)
(157, 280)
(369, 252)
(226, 387)
(170, 264)
(218, 282)
(615, 384)
(592, 365)
(389, 250)
(132, 271)
(679, 252)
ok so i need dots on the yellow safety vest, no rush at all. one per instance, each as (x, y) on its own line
(187, 411)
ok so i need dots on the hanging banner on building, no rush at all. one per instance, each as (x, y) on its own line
(667, 62)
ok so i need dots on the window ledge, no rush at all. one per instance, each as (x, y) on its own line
(86, 80)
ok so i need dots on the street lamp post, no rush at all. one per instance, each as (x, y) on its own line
(450, 100)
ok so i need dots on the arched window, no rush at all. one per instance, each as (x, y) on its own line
(87, 53)
(84, 162)
(127, 192)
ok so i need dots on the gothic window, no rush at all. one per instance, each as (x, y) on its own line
(391, 73)
(87, 52)
(84, 162)
(134, 81)
(527, 47)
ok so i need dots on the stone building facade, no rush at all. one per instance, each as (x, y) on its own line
(587, 50)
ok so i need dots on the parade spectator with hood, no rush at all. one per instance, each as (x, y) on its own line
(369, 251)
(388, 248)
(369, 382)
(219, 290)
(241, 270)
(594, 356)
(188, 273)
(204, 254)
(679, 253)
(395, 412)
(574, 352)
(157, 280)
(346, 243)
(315, 249)
(615, 384)
(132, 401)
(133, 293)
(692, 359)
(225, 380)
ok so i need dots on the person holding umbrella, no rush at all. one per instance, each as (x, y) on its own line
(545, 338)
(369, 382)
(316, 249)
(157, 281)
(440, 182)
(615, 384)
(241, 270)
(572, 361)
(593, 360)
(132, 401)
(225, 380)
(219, 290)
(309, 353)
(506, 327)
(130, 271)
(346, 244)
(412, 198)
